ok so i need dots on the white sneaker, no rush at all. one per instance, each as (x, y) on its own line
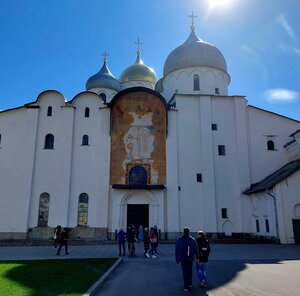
(147, 255)
(153, 256)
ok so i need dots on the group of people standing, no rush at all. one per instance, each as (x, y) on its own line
(187, 250)
(133, 235)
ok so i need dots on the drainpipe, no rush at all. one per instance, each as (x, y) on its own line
(276, 215)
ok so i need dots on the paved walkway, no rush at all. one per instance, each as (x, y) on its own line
(232, 269)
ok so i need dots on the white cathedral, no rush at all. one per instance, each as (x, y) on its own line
(173, 152)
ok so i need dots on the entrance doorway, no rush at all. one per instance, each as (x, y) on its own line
(296, 228)
(138, 214)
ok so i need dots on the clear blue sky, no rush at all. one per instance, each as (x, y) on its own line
(58, 44)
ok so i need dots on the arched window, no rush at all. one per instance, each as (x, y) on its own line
(44, 209)
(85, 140)
(87, 112)
(137, 176)
(270, 145)
(196, 82)
(83, 204)
(49, 141)
(49, 111)
(103, 97)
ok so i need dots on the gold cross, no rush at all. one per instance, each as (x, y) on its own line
(138, 44)
(192, 16)
(105, 54)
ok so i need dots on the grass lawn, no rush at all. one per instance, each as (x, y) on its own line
(50, 277)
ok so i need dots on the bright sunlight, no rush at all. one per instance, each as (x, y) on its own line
(218, 6)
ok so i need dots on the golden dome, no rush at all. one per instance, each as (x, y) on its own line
(138, 72)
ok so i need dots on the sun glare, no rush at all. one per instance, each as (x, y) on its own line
(218, 6)
(219, 3)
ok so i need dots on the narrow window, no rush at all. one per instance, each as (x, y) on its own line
(103, 97)
(217, 91)
(267, 225)
(224, 213)
(137, 176)
(221, 149)
(83, 204)
(85, 140)
(87, 112)
(257, 225)
(196, 82)
(270, 145)
(49, 141)
(0, 139)
(214, 127)
(49, 111)
(44, 209)
(199, 177)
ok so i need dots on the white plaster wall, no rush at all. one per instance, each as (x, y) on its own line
(18, 131)
(110, 93)
(230, 170)
(195, 211)
(172, 214)
(288, 196)
(262, 208)
(182, 81)
(261, 124)
(51, 171)
(90, 164)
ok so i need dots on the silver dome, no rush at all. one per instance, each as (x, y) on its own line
(103, 79)
(194, 52)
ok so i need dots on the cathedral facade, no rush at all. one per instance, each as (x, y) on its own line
(171, 152)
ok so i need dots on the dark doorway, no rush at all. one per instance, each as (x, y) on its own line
(138, 215)
(296, 228)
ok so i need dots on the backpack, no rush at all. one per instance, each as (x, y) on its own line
(188, 251)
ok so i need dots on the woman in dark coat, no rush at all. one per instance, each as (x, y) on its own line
(204, 250)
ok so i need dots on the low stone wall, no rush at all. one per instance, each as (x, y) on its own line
(91, 235)
(74, 233)
(12, 235)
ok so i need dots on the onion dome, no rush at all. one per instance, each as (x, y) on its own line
(194, 52)
(159, 86)
(138, 72)
(103, 79)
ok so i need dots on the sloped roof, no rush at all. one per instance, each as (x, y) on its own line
(276, 177)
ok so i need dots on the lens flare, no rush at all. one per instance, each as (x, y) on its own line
(219, 3)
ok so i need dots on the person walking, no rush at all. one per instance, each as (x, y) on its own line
(140, 234)
(146, 242)
(186, 252)
(57, 233)
(131, 237)
(121, 237)
(63, 241)
(153, 241)
(157, 236)
(204, 250)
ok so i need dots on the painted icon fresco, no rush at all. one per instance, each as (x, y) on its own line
(138, 145)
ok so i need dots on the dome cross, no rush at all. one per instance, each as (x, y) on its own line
(105, 54)
(138, 45)
(192, 16)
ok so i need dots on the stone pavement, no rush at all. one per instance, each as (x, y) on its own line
(232, 269)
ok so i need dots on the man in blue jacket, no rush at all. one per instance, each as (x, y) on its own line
(186, 252)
